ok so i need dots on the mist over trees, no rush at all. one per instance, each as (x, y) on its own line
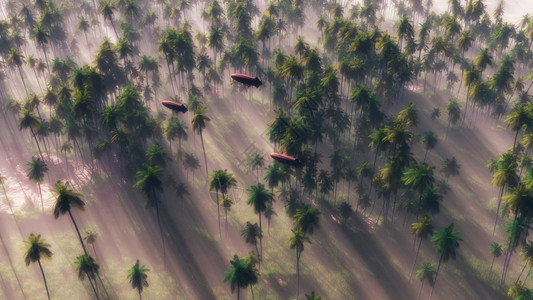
(407, 132)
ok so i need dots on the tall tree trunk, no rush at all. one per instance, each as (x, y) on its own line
(260, 238)
(218, 216)
(298, 253)
(23, 82)
(78, 231)
(37, 142)
(435, 280)
(492, 264)
(94, 288)
(414, 262)
(252, 289)
(498, 209)
(160, 230)
(46, 60)
(41, 194)
(420, 290)
(44, 278)
(205, 157)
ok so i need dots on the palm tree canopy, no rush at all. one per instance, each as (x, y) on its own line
(251, 233)
(36, 169)
(222, 180)
(86, 265)
(66, 199)
(138, 277)
(447, 241)
(426, 272)
(297, 240)
(259, 197)
(241, 274)
(423, 228)
(36, 248)
(307, 219)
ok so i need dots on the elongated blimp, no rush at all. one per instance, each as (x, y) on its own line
(247, 79)
(285, 159)
(175, 106)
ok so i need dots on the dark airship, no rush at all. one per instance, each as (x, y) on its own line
(285, 159)
(247, 80)
(175, 106)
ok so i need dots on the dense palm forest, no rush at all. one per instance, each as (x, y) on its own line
(412, 127)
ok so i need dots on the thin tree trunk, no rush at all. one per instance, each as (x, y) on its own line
(92, 285)
(41, 194)
(37, 142)
(252, 289)
(521, 272)
(492, 264)
(23, 83)
(260, 238)
(218, 217)
(44, 278)
(414, 262)
(435, 280)
(298, 253)
(205, 157)
(160, 229)
(78, 231)
(498, 209)
(420, 290)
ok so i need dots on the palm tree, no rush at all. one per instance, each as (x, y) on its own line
(66, 200)
(454, 114)
(138, 277)
(527, 257)
(150, 184)
(107, 9)
(307, 219)
(297, 241)
(519, 291)
(90, 237)
(269, 213)
(221, 181)
(312, 296)
(259, 197)
(519, 117)
(422, 230)
(419, 178)
(505, 175)
(35, 171)
(42, 37)
(85, 265)
(131, 9)
(226, 203)
(256, 161)
(250, 233)
(426, 272)
(496, 251)
(29, 120)
(446, 241)
(16, 58)
(84, 26)
(199, 121)
(241, 274)
(37, 248)
(274, 174)
(215, 41)
(429, 140)
(450, 167)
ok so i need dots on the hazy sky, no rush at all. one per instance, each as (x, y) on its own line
(513, 9)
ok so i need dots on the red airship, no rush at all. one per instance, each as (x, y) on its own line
(285, 159)
(175, 106)
(246, 79)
